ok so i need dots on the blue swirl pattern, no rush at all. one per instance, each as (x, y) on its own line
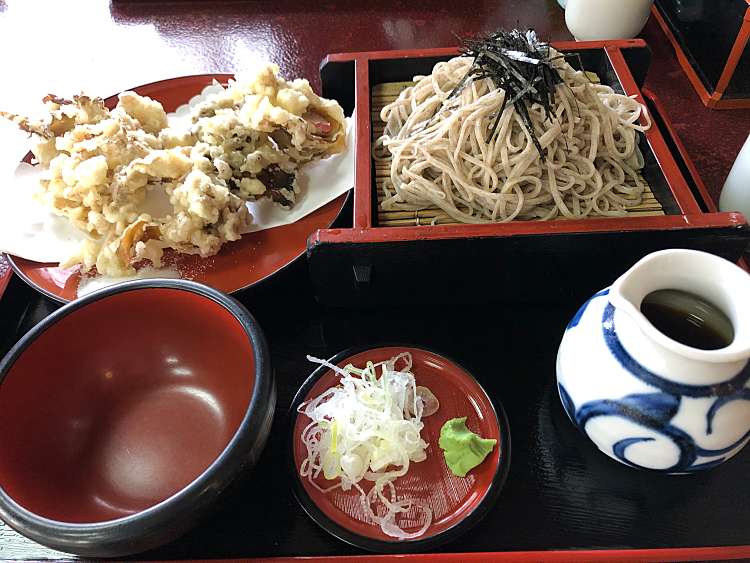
(728, 388)
(655, 411)
(577, 317)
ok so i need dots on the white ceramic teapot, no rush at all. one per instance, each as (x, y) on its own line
(735, 195)
(606, 19)
(645, 398)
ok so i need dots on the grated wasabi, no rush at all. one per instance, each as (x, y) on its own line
(463, 449)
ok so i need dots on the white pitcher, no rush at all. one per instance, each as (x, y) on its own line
(735, 195)
(644, 398)
(606, 19)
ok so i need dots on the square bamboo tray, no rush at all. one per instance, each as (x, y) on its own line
(385, 93)
(527, 261)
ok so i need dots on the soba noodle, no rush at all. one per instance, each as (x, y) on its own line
(442, 153)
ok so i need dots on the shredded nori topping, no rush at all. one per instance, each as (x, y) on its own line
(519, 64)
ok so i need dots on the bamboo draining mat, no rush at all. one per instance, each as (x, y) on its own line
(383, 94)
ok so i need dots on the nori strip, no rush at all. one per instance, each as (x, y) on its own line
(519, 64)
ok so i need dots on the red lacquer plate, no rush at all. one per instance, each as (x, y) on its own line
(457, 503)
(238, 265)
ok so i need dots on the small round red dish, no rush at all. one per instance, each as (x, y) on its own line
(238, 265)
(457, 503)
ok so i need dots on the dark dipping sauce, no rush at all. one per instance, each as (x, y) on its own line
(688, 319)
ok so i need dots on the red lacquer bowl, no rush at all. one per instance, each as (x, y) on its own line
(124, 414)
(457, 503)
(239, 265)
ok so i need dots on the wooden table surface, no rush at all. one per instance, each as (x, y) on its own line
(51, 46)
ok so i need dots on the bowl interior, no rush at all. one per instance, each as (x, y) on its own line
(122, 403)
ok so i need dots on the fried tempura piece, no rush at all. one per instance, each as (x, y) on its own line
(98, 166)
(29, 125)
(259, 131)
(246, 142)
(149, 113)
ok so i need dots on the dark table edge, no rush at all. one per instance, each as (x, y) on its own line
(553, 556)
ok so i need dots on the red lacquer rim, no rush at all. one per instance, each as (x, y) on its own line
(547, 228)
(239, 265)
(442, 51)
(556, 556)
(676, 182)
(696, 177)
(712, 100)
(469, 498)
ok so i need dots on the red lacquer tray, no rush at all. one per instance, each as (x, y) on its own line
(725, 62)
(572, 556)
(356, 265)
(230, 534)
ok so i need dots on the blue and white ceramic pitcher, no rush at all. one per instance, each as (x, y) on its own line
(645, 399)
